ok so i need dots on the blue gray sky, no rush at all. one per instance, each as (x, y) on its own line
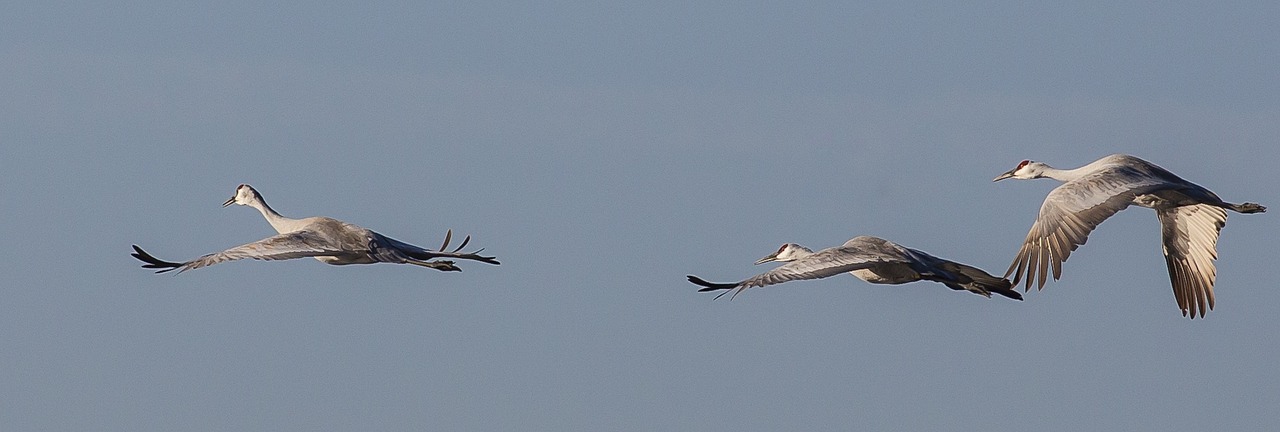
(603, 152)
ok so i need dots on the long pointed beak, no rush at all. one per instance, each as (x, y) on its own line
(771, 257)
(1007, 174)
(229, 202)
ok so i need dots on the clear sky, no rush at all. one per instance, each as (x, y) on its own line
(602, 152)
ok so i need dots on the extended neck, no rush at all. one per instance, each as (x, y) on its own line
(280, 223)
(1063, 175)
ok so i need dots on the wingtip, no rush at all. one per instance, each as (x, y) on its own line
(152, 262)
(448, 235)
(1193, 313)
(709, 286)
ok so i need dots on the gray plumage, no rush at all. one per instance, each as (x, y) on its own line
(328, 240)
(1191, 218)
(871, 259)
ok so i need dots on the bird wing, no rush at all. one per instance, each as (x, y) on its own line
(297, 244)
(824, 263)
(383, 245)
(1190, 237)
(1069, 213)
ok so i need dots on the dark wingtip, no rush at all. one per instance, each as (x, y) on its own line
(710, 286)
(483, 259)
(153, 262)
(475, 257)
(1192, 315)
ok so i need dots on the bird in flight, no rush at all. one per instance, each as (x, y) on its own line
(328, 240)
(1191, 218)
(871, 259)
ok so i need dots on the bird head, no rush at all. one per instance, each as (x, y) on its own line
(245, 194)
(788, 252)
(1025, 170)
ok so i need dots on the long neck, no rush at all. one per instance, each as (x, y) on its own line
(280, 223)
(1064, 175)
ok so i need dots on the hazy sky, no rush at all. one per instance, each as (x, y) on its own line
(602, 152)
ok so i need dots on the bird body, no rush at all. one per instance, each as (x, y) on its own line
(1191, 218)
(871, 259)
(328, 240)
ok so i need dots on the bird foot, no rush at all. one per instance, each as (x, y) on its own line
(444, 265)
(1250, 208)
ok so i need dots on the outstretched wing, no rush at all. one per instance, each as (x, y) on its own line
(298, 244)
(1070, 213)
(382, 244)
(1190, 237)
(824, 263)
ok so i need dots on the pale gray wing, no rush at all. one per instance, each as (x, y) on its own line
(1070, 213)
(298, 244)
(824, 263)
(1190, 237)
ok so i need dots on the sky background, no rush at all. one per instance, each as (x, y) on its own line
(602, 152)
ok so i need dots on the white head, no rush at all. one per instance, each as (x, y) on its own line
(788, 252)
(245, 195)
(1025, 170)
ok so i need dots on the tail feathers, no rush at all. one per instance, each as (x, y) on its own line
(1004, 289)
(984, 283)
(1249, 208)
(710, 286)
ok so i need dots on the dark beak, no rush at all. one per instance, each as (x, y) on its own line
(771, 257)
(230, 201)
(1007, 174)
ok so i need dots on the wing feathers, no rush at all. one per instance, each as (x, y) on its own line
(1190, 237)
(824, 263)
(279, 247)
(1069, 213)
